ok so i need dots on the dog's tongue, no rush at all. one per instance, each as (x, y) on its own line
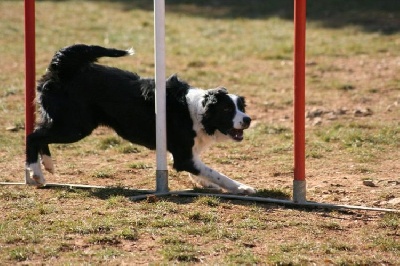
(236, 134)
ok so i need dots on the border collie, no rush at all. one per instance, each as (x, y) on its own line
(76, 95)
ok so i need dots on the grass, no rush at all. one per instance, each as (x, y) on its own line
(352, 62)
(186, 233)
(109, 142)
(180, 252)
(103, 174)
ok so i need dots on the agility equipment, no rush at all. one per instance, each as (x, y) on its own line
(299, 84)
(160, 95)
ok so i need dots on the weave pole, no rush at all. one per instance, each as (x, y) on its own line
(30, 70)
(299, 182)
(160, 96)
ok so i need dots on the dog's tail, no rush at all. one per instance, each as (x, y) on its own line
(70, 59)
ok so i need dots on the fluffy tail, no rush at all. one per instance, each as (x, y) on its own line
(70, 59)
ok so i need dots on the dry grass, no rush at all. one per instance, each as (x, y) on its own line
(353, 155)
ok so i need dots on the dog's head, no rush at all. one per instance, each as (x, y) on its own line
(226, 113)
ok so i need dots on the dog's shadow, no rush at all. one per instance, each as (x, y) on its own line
(106, 193)
(264, 198)
(191, 196)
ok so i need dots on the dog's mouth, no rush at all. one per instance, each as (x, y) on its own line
(236, 134)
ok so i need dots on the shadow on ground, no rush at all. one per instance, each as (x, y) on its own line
(381, 16)
(105, 193)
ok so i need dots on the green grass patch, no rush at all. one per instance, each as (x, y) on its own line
(362, 141)
(129, 148)
(129, 234)
(90, 226)
(110, 142)
(386, 243)
(20, 254)
(103, 174)
(198, 216)
(139, 165)
(335, 247)
(180, 252)
(243, 257)
(391, 221)
(208, 201)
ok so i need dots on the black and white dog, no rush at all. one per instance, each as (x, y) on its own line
(76, 95)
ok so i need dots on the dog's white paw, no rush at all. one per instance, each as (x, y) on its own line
(34, 175)
(244, 189)
(47, 163)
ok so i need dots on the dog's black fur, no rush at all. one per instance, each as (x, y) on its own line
(76, 95)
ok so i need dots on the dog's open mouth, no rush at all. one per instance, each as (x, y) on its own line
(236, 134)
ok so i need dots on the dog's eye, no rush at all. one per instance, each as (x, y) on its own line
(227, 109)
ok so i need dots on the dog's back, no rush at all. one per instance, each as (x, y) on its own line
(76, 95)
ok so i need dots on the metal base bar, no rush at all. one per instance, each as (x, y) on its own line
(12, 183)
(191, 193)
(305, 204)
(48, 185)
(67, 185)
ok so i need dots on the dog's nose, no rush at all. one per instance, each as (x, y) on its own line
(246, 121)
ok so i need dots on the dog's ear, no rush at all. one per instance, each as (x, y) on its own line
(212, 95)
(173, 81)
(211, 98)
(241, 103)
(177, 88)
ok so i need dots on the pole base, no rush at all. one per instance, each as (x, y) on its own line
(162, 181)
(299, 191)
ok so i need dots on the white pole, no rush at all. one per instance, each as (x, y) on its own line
(160, 96)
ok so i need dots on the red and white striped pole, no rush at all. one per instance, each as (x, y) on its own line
(299, 182)
(29, 66)
(30, 70)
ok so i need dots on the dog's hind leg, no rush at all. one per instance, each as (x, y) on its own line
(37, 143)
(33, 171)
(46, 160)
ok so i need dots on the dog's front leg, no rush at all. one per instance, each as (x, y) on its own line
(211, 176)
(199, 180)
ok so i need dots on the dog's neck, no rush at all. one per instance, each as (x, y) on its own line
(195, 99)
